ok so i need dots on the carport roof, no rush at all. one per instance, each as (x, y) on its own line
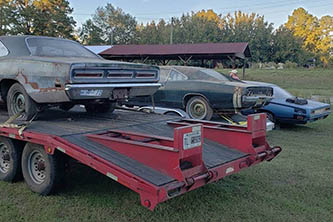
(196, 51)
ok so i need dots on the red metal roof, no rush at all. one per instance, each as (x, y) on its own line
(240, 49)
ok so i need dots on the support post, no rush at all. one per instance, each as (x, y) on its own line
(244, 66)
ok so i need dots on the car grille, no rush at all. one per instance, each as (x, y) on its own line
(254, 91)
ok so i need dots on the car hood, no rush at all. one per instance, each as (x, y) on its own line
(311, 104)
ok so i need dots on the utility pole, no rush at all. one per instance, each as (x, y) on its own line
(171, 31)
(111, 35)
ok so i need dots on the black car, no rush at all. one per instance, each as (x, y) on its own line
(201, 92)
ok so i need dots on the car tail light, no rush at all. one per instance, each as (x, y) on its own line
(299, 117)
(88, 74)
(145, 74)
(120, 74)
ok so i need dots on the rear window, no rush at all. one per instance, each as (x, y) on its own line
(3, 50)
(202, 74)
(51, 47)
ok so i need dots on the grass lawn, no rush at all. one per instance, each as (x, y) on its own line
(296, 186)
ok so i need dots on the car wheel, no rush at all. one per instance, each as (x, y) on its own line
(198, 108)
(66, 106)
(100, 107)
(42, 172)
(10, 160)
(19, 101)
(271, 117)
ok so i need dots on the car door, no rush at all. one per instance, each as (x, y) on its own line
(171, 93)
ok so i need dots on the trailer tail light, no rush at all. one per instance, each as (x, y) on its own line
(145, 74)
(88, 74)
(120, 74)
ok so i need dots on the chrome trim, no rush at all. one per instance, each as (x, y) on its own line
(120, 85)
(163, 110)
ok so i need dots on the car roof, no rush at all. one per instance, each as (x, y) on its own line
(16, 44)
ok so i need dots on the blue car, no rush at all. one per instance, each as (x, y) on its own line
(288, 109)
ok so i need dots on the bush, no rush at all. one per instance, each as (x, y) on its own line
(290, 65)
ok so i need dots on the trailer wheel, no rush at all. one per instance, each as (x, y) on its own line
(100, 107)
(10, 156)
(42, 172)
(19, 101)
(198, 108)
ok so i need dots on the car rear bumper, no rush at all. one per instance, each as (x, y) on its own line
(107, 91)
(305, 119)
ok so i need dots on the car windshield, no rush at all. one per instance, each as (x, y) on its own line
(280, 93)
(51, 47)
(203, 74)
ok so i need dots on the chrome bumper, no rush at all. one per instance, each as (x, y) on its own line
(74, 91)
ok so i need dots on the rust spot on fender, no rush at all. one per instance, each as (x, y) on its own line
(33, 85)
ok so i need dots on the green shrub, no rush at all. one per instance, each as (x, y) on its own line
(290, 65)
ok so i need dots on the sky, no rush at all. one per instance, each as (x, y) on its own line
(147, 10)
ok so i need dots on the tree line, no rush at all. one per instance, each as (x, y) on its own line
(303, 38)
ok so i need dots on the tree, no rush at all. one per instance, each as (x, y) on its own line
(5, 11)
(36, 17)
(287, 47)
(90, 34)
(153, 33)
(305, 26)
(251, 28)
(113, 25)
(315, 33)
(191, 28)
(325, 45)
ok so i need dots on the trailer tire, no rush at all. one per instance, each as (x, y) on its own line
(42, 172)
(10, 156)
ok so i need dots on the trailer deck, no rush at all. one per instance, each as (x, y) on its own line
(158, 156)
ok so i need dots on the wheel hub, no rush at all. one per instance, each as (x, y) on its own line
(4, 158)
(198, 110)
(37, 167)
(19, 102)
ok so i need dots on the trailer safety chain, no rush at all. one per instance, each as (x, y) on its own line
(20, 127)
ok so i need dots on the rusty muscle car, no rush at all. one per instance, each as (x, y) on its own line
(37, 72)
(202, 92)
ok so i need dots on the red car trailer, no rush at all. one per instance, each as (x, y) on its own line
(157, 156)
